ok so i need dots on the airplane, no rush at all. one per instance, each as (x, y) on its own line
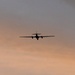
(37, 36)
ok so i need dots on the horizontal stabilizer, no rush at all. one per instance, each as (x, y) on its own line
(36, 33)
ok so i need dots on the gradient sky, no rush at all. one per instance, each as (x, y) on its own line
(50, 56)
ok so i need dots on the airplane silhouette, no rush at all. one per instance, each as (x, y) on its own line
(37, 36)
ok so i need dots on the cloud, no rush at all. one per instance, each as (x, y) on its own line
(71, 2)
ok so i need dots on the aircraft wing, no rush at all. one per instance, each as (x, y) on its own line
(47, 36)
(26, 36)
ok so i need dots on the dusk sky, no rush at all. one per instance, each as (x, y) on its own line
(48, 56)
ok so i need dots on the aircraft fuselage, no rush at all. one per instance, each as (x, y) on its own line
(37, 37)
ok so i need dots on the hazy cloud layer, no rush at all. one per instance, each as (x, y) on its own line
(71, 2)
(31, 63)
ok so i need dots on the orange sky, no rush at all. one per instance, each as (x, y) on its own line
(31, 57)
(35, 62)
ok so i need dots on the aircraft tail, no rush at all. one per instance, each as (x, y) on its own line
(36, 33)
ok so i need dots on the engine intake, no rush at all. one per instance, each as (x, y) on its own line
(42, 37)
(32, 37)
